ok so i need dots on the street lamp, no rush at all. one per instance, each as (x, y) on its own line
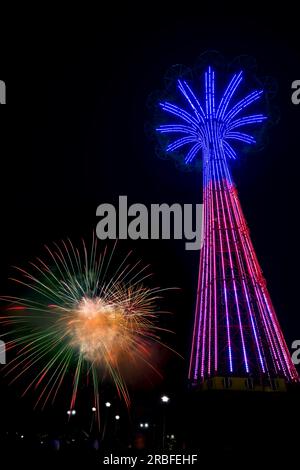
(117, 417)
(108, 404)
(165, 399)
(94, 409)
(73, 412)
(144, 425)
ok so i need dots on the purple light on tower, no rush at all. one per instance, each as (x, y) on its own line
(236, 330)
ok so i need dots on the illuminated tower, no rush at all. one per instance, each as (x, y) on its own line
(236, 331)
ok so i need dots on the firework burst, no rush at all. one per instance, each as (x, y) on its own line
(76, 318)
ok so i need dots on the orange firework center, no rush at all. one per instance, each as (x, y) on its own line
(99, 329)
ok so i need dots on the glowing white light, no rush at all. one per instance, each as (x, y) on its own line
(165, 399)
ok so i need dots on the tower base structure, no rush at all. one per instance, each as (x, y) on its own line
(242, 384)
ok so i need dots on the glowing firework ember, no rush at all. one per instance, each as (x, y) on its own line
(76, 318)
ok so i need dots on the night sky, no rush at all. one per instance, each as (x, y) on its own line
(73, 137)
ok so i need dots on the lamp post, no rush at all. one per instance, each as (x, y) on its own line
(165, 400)
(106, 416)
(93, 418)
